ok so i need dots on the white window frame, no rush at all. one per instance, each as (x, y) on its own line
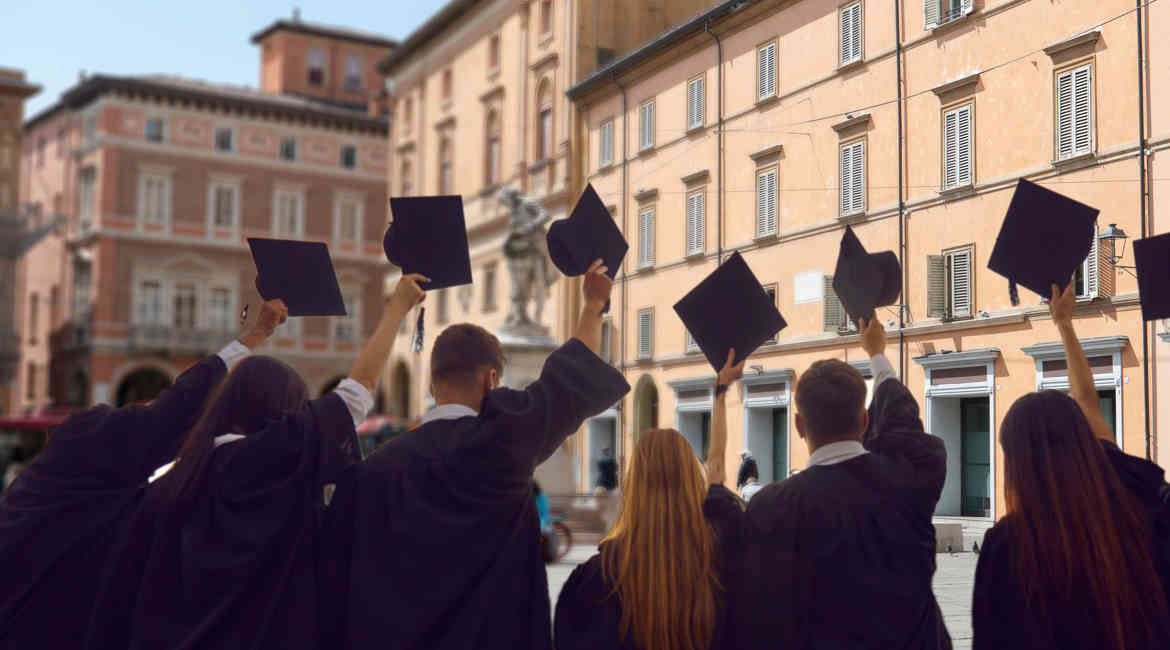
(954, 144)
(234, 184)
(645, 334)
(339, 200)
(196, 291)
(696, 221)
(139, 314)
(350, 73)
(1090, 272)
(341, 155)
(228, 323)
(696, 102)
(352, 319)
(646, 125)
(646, 218)
(767, 70)
(605, 143)
(933, 16)
(852, 34)
(852, 200)
(164, 181)
(1081, 109)
(279, 232)
(86, 197)
(691, 346)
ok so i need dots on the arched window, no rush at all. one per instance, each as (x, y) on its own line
(406, 187)
(492, 150)
(544, 123)
(446, 171)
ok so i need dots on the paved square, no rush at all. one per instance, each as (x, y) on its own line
(953, 583)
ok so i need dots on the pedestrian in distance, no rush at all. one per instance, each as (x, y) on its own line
(748, 480)
(658, 581)
(1076, 561)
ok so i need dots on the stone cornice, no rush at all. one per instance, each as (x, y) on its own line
(950, 359)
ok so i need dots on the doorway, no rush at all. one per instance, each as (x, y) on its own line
(767, 439)
(975, 415)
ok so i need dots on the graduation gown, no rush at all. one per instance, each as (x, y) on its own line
(433, 539)
(589, 614)
(842, 555)
(58, 520)
(999, 614)
(234, 568)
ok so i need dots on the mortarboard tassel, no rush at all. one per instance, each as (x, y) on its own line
(418, 330)
(1013, 293)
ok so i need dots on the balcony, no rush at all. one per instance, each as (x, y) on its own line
(948, 11)
(161, 339)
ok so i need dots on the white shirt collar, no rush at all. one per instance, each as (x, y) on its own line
(448, 412)
(836, 452)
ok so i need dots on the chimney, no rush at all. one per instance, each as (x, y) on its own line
(296, 14)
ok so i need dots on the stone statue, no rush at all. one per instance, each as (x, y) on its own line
(528, 263)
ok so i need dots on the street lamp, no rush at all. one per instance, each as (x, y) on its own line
(1111, 234)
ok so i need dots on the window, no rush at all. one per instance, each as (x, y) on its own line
(219, 309)
(492, 151)
(546, 17)
(150, 303)
(766, 75)
(949, 293)
(1074, 112)
(289, 221)
(290, 329)
(691, 344)
(224, 205)
(851, 33)
(489, 287)
(446, 167)
(348, 156)
(494, 52)
(154, 198)
(696, 222)
(407, 174)
(646, 125)
(288, 149)
(443, 312)
(696, 102)
(605, 144)
(606, 350)
(834, 317)
(40, 152)
(62, 142)
(154, 130)
(646, 237)
(853, 178)
(1094, 277)
(316, 67)
(30, 390)
(941, 12)
(223, 139)
(353, 73)
(766, 202)
(85, 208)
(544, 135)
(448, 84)
(90, 127)
(407, 114)
(185, 300)
(81, 277)
(645, 333)
(54, 307)
(349, 220)
(771, 291)
(957, 146)
(345, 328)
(34, 308)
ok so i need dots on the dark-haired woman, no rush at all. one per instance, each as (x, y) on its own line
(659, 580)
(748, 480)
(1076, 561)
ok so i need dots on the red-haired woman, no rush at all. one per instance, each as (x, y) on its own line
(658, 581)
(1076, 561)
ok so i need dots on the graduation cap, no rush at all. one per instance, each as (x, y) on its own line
(429, 237)
(865, 281)
(729, 309)
(298, 272)
(1044, 238)
(588, 234)
(1152, 259)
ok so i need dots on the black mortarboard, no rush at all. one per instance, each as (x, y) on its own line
(298, 272)
(729, 309)
(1044, 238)
(588, 234)
(1152, 258)
(428, 236)
(865, 281)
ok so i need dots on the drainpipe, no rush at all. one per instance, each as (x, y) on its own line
(719, 146)
(901, 201)
(625, 263)
(1142, 204)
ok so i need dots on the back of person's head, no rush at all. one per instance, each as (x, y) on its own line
(1074, 528)
(660, 555)
(257, 390)
(747, 469)
(463, 357)
(830, 403)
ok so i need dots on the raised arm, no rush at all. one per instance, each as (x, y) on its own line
(373, 357)
(1080, 376)
(717, 445)
(596, 288)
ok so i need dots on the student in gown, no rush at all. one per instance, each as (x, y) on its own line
(1071, 565)
(58, 519)
(659, 579)
(222, 553)
(841, 555)
(434, 537)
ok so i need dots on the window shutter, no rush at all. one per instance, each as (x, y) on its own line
(851, 34)
(963, 146)
(1082, 105)
(695, 103)
(606, 143)
(930, 9)
(960, 284)
(1105, 278)
(950, 150)
(646, 237)
(645, 331)
(766, 203)
(846, 181)
(834, 313)
(767, 72)
(696, 238)
(1092, 268)
(858, 178)
(936, 286)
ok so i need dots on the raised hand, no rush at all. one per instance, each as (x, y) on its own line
(598, 286)
(273, 313)
(408, 293)
(873, 336)
(1062, 303)
(730, 372)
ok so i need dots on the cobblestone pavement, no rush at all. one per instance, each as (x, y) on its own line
(953, 583)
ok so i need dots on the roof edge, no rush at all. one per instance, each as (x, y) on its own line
(320, 30)
(440, 20)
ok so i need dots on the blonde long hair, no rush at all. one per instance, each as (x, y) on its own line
(660, 555)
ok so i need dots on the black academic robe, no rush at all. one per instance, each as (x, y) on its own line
(842, 556)
(59, 518)
(234, 568)
(999, 614)
(433, 541)
(589, 614)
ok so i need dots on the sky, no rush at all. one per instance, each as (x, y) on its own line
(206, 39)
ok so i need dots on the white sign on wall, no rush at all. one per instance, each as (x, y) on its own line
(808, 287)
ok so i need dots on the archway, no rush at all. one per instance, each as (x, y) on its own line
(142, 385)
(645, 406)
(400, 391)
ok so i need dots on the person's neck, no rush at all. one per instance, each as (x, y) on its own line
(813, 447)
(465, 400)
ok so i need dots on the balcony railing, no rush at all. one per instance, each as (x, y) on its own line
(948, 11)
(175, 340)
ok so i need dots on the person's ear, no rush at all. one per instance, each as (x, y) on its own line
(800, 427)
